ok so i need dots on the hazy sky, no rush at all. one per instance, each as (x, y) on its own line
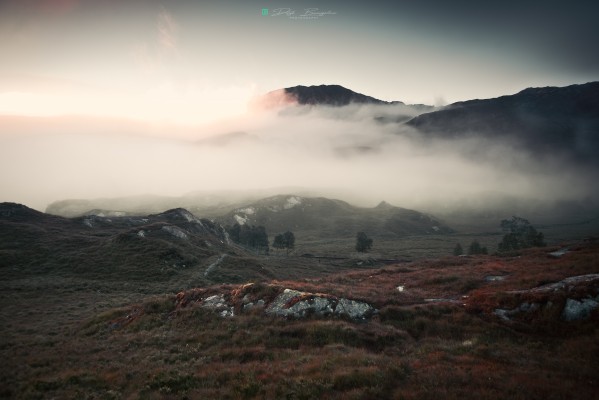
(102, 98)
(192, 61)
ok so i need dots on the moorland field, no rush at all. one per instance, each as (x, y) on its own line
(92, 312)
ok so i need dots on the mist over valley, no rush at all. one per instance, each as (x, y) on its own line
(362, 152)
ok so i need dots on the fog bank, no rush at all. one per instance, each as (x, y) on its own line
(363, 153)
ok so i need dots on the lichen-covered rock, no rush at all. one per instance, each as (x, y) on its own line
(218, 303)
(279, 306)
(293, 303)
(575, 310)
(354, 309)
(283, 303)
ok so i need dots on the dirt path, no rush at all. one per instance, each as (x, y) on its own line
(214, 264)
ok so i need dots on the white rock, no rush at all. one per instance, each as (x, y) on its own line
(240, 220)
(292, 202)
(175, 231)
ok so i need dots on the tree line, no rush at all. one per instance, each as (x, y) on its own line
(256, 238)
(520, 234)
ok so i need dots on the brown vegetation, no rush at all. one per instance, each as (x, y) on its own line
(437, 338)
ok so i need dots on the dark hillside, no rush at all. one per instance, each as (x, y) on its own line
(549, 122)
(170, 246)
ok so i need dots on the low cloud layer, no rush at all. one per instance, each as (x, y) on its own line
(360, 151)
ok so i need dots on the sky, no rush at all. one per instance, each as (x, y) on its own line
(80, 78)
(190, 61)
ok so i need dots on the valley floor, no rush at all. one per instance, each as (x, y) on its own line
(439, 336)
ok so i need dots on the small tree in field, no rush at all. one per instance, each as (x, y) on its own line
(289, 240)
(475, 248)
(278, 242)
(363, 242)
(457, 250)
(521, 235)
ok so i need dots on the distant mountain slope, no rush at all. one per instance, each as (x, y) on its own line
(171, 246)
(206, 203)
(333, 95)
(337, 96)
(545, 120)
(327, 218)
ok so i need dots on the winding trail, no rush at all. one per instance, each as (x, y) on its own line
(214, 264)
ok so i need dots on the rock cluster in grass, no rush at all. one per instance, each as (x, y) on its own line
(581, 293)
(217, 302)
(293, 303)
(522, 308)
(275, 301)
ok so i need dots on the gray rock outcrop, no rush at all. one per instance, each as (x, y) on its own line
(274, 301)
(575, 310)
(293, 303)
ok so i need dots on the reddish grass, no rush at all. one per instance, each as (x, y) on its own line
(168, 349)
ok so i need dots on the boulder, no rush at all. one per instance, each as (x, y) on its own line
(575, 310)
(218, 303)
(354, 309)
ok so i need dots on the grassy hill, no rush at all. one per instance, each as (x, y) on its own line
(173, 248)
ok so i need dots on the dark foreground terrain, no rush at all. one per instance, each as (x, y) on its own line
(517, 327)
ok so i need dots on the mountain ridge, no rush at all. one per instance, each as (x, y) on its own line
(547, 121)
(334, 95)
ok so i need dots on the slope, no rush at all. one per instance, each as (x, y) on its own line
(173, 247)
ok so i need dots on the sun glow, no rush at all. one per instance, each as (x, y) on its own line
(164, 103)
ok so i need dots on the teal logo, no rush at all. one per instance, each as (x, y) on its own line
(265, 12)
